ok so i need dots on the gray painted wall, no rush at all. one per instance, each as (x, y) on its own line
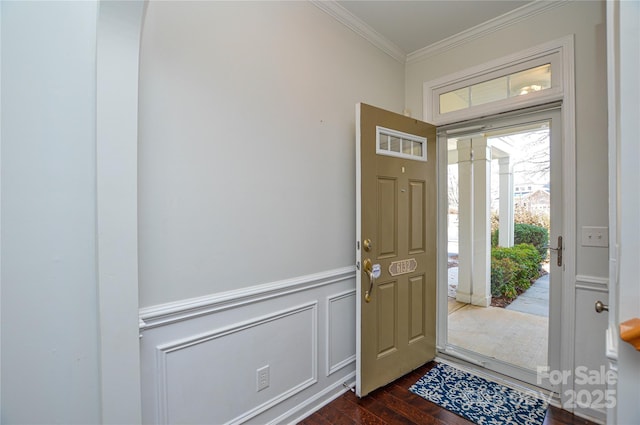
(50, 370)
(247, 155)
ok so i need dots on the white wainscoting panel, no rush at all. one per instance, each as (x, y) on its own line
(190, 404)
(341, 331)
(200, 366)
(590, 348)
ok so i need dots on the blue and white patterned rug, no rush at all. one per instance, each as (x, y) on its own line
(478, 400)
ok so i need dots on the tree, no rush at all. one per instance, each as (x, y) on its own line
(531, 159)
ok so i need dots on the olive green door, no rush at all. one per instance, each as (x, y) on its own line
(395, 247)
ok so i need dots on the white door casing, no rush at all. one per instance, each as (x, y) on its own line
(566, 96)
(118, 49)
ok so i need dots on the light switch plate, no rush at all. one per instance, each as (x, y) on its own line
(595, 236)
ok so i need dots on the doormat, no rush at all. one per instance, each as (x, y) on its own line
(478, 400)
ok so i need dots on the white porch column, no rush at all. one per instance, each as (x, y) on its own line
(465, 221)
(506, 202)
(481, 280)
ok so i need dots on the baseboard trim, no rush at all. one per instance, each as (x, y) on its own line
(597, 419)
(307, 408)
(165, 314)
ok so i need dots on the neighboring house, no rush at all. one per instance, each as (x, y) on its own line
(151, 265)
(538, 201)
(524, 188)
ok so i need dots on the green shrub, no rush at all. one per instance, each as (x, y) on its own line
(532, 234)
(527, 233)
(503, 271)
(507, 277)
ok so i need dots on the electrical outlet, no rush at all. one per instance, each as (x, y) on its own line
(262, 378)
(595, 236)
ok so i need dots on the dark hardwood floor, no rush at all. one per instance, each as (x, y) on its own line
(394, 404)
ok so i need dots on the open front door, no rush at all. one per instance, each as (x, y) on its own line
(396, 246)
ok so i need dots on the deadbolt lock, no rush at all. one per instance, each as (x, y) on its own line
(366, 244)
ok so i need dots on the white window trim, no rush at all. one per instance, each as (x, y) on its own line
(401, 135)
(558, 52)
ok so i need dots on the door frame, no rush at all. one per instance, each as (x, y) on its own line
(119, 28)
(565, 46)
(491, 124)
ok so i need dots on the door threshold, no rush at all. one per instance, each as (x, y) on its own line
(477, 368)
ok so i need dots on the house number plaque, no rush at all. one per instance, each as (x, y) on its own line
(402, 267)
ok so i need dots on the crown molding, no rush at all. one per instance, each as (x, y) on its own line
(488, 27)
(342, 15)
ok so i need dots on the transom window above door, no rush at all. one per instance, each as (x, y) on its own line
(519, 83)
(529, 78)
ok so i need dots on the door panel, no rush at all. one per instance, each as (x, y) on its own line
(387, 330)
(387, 217)
(416, 308)
(416, 217)
(396, 231)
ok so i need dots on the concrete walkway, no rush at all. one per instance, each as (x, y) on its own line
(516, 334)
(511, 336)
(534, 300)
